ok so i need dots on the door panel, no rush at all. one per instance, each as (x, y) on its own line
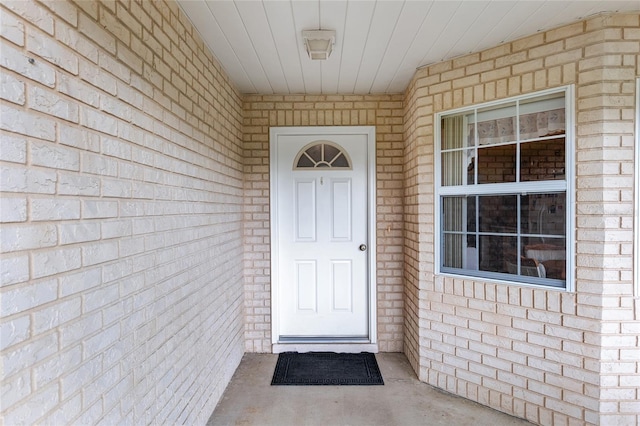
(342, 285)
(341, 206)
(306, 285)
(322, 220)
(305, 210)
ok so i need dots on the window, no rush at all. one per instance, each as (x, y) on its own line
(322, 154)
(503, 172)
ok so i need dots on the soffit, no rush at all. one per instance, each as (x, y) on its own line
(379, 44)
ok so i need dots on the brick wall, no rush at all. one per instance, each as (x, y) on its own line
(552, 357)
(134, 188)
(418, 218)
(606, 109)
(384, 112)
(122, 180)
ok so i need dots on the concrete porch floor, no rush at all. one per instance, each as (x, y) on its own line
(403, 400)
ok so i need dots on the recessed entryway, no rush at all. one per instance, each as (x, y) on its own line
(323, 237)
(403, 400)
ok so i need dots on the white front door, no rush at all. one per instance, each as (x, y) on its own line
(320, 208)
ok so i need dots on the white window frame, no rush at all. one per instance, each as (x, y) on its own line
(636, 215)
(568, 186)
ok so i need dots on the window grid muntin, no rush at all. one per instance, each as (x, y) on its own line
(517, 141)
(566, 95)
(519, 234)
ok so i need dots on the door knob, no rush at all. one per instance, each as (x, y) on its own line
(363, 247)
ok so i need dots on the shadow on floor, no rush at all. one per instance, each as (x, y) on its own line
(403, 400)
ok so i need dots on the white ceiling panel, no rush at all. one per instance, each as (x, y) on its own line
(379, 43)
(204, 21)
(306, 16)
(282, 27)
(411, 17)
(230, 23)
(489, 22)
(461, 30)
(540, 18)
(333, 16)
(256, 24)
(433, 27)
(383, 24)
(505, 24)
(356, 32)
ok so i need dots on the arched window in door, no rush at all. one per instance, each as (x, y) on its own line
(322, 154)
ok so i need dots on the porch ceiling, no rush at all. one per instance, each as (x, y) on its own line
(379, 44)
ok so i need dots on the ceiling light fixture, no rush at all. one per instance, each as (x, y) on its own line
(319, 43)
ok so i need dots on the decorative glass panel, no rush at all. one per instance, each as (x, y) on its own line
(341, 161)
(322, 154)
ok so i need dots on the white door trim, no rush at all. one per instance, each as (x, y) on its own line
(323, 132)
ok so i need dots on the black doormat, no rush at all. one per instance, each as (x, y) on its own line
(326, 368)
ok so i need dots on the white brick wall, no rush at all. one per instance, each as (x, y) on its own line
(384, 112)
(121, 290)
(552, 357)
(134, 196)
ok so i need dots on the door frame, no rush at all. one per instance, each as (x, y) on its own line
(324, 133)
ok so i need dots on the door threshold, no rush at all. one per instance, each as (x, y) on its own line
(339, 347)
